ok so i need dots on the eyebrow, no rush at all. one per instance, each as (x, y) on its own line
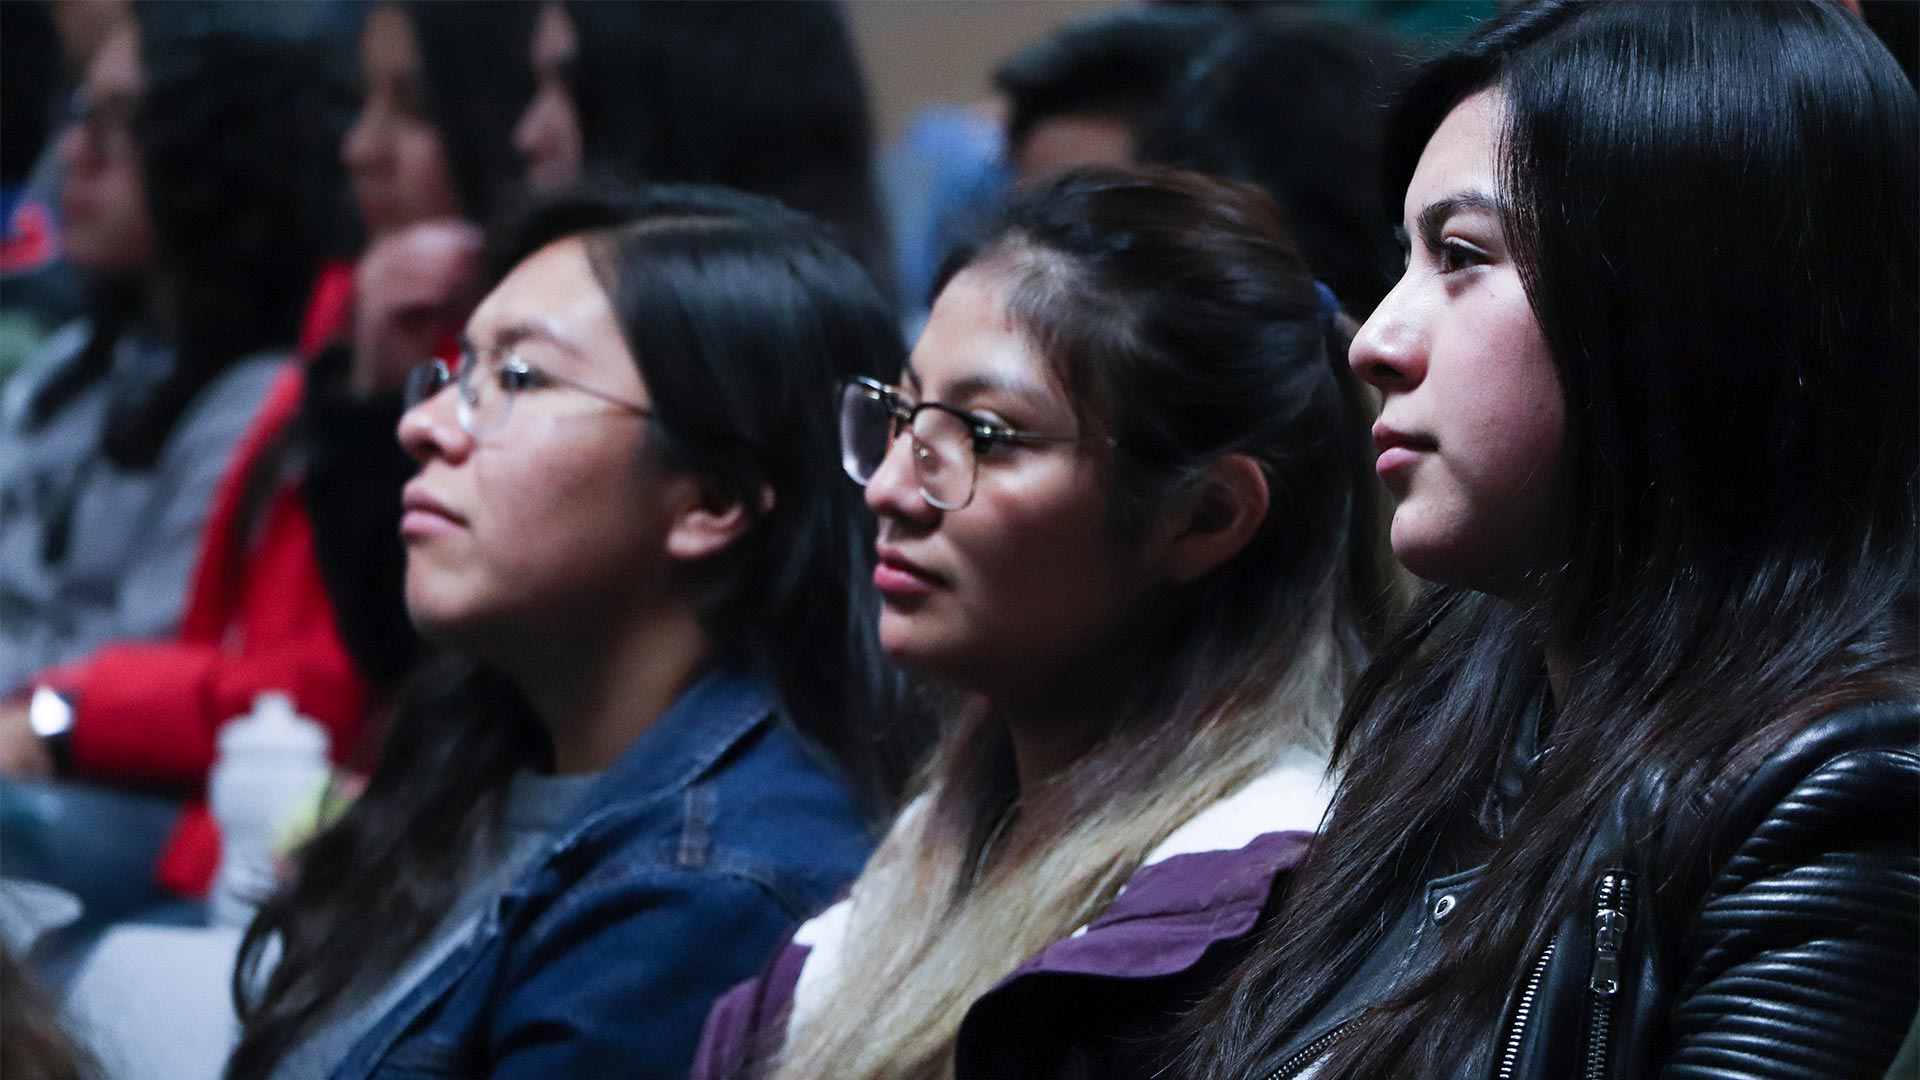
(1436, 214)
(527, 330)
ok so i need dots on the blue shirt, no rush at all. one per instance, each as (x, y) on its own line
(680, 872)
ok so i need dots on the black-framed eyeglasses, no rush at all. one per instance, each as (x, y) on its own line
(488, 380)
(946, 442)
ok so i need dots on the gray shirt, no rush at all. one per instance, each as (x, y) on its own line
(536, 807)
(129, 539)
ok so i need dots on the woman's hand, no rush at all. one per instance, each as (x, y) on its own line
(22, 753)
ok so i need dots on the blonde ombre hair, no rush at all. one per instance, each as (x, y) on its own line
(929, 936)
(1187, 329)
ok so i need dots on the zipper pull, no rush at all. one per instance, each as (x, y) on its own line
(1609, 935)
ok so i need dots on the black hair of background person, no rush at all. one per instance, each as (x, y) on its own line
(1897, 24)
(764, 96)
(1121, 62)
(740, 359)
(473, 62)
(1298, 106)
(30, 56)
(1719, 591)
(239, 143)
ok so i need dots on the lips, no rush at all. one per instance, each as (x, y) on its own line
(1399, 450)
(423, 515)
(897, 576)
(1389, 438)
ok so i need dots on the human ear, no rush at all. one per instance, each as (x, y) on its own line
(1212, 524)
(712, 520)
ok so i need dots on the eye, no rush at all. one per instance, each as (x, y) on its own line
(1456, 254)
(515, 378)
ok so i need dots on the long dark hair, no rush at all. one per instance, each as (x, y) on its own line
(473, 69)
(1713, 207)
(764, 96)
(238, 137)
(742, 316)
(1185, 326)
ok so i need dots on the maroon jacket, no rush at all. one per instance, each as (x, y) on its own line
(1082, 1006)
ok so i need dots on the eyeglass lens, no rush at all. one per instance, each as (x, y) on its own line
(481, 406)
(942, 447)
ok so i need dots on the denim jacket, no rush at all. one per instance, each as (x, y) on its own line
(715, 833)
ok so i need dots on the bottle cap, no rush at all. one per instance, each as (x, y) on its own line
(273, 727)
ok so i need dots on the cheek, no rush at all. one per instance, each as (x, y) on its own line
(1039, 579)
(555, 537)
(1511, 413)
(422, 176)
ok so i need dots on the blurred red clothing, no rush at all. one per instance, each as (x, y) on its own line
(258, 618)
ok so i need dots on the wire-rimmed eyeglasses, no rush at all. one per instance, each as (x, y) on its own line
(946, 442)
(487, 381)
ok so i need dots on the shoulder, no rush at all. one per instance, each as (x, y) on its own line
(47, 361)
(779, 805)
(1803, 947)
(243, 385)
(1206, 884)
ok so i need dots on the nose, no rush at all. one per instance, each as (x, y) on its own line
(1390, 351)
(432, 430)
(894, 489)
(360, 149)
(74, 151)
(527, 133)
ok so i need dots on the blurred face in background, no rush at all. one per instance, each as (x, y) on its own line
(1058, 144)
(548, 137)
(103, 197)
(393, 151)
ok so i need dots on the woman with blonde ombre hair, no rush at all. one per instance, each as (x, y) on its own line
(1124, 510)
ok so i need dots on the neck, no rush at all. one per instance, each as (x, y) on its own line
(597, 697)
(1050, 729)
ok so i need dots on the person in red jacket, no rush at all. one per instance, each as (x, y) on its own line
(100, 751)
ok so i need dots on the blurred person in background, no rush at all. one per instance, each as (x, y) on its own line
(1298, 106)
(431, 159)
(201, 195)
(643, 757)
(764, 96)
(1083, 95)
(39, 292)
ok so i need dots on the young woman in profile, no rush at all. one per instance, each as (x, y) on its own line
(615, 793)
(1124, 507)
(1633, 792)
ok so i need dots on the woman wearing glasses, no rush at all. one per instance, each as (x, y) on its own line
(629, 531)
(1124, 509)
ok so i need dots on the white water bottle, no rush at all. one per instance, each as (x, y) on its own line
(271, 760)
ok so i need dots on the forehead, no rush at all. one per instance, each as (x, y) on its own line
(553, 36)
(1463, 153)
(116, 67)
(553, 297)
(387, 44)
(970, 338)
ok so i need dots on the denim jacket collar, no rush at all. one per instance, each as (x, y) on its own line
(703, 723)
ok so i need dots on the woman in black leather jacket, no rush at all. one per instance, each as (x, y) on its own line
(1635, 790)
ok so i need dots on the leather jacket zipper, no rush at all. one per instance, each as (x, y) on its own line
(1522, 1012)
(1610, 903)
(1313, 1051)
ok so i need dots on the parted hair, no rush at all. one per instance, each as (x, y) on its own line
(1713, 208)
(1185, 326)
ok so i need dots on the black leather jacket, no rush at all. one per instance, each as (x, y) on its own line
(1796, 955)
